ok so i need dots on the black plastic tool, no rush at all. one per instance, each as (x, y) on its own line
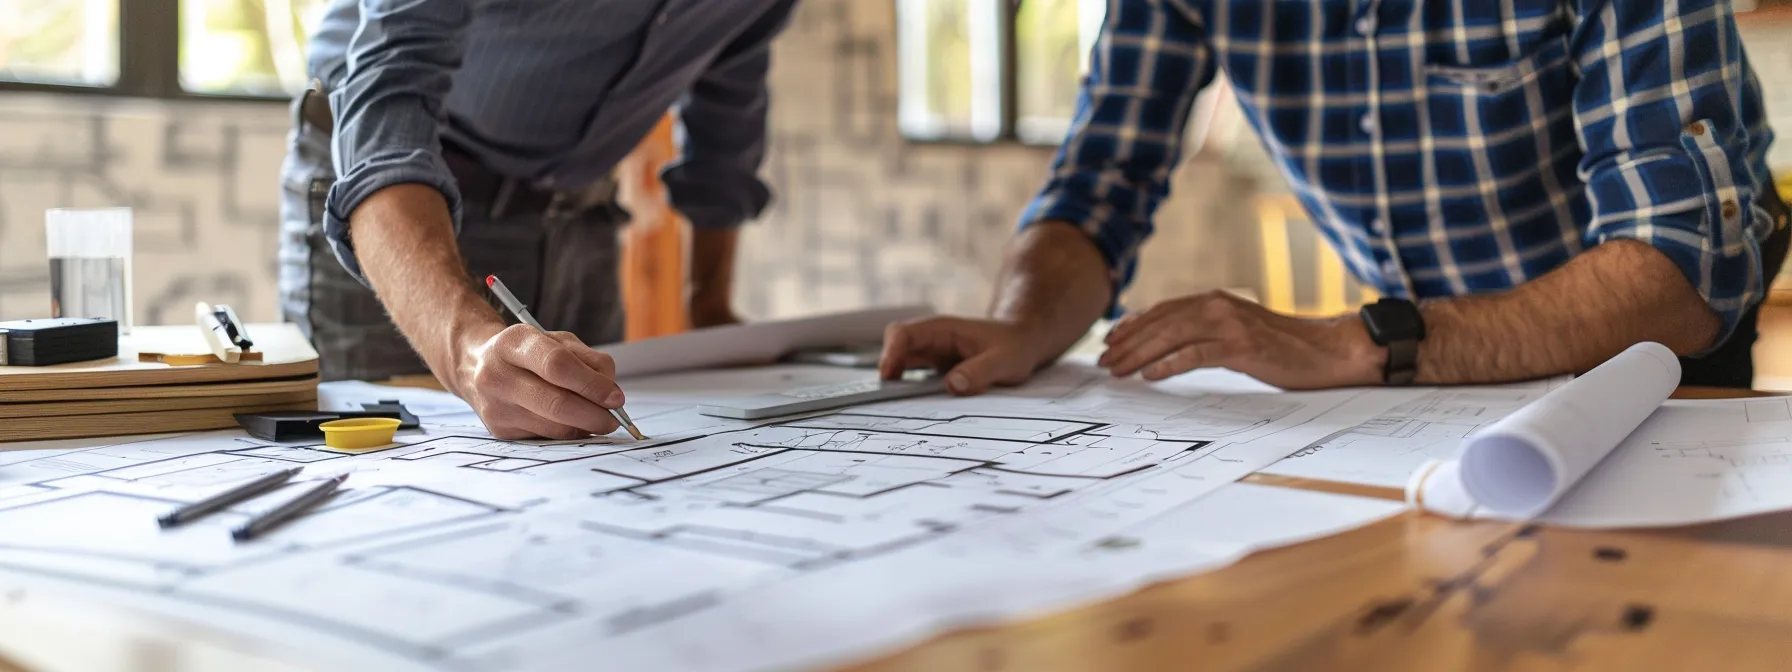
(51, 341)
(302, 425)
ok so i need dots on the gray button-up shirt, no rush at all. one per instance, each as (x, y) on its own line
(554, 92)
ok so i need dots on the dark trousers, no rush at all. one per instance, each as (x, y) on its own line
(562, 266)
(1733, 363)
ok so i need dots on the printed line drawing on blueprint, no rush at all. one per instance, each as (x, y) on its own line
(458, 551)
(1690, 461)
(1386, 450)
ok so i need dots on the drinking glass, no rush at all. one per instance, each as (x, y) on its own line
(90, 263)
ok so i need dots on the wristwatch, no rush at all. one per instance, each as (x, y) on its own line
(1397, 325)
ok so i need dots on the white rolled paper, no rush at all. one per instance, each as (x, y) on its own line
(1523, 464)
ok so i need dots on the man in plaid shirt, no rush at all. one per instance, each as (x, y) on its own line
(1535, 185)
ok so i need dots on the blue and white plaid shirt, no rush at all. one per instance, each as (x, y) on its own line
(1444, 147)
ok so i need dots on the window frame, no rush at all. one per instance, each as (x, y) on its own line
(148, 60)
(1008, 96)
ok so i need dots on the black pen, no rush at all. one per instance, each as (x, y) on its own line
(190, 512)
(288, 511)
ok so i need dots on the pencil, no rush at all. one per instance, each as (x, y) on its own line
(522, 313)
(292, 509)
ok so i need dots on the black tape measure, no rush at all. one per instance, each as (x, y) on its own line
(57, 340)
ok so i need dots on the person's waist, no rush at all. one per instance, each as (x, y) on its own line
(484, 187)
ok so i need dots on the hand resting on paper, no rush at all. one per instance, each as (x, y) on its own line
(1220, 329)
(974, 354)
(1055, 284)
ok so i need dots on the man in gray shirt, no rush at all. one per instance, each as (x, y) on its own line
(451, 139)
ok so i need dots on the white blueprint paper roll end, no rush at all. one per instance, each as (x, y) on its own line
(1661, 353)
(1436, 487)
(1510, 473)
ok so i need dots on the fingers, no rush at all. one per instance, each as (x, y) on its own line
(529, 426)
(1134, 353)
(1127, 325)
(938, 342)
(598, 361)
(534, 384)
(894, 359)
(523, 399)
(1190, 357)
(1172, 325)
(568, 368)
(995, 366)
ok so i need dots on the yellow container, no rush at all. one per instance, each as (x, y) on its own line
(359, 433)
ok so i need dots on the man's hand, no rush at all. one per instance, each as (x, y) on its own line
(974, 354)
(525, 383)
(1219, 329)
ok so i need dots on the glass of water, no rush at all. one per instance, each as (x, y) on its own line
(90, 263)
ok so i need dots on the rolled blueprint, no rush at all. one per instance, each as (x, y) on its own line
(1520, 466)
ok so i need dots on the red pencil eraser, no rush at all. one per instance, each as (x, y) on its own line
(490, 280)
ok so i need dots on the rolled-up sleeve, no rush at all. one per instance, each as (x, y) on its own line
(1673, 151)
(715, 181)
(388, 108)
(1114, 167)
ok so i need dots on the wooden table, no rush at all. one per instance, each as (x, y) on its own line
(1410, 593)
(1419, 592)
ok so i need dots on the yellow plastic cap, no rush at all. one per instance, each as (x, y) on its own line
(359, 433)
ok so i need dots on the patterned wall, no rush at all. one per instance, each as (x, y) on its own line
(864, 216)
(861, 217)
(200, 179)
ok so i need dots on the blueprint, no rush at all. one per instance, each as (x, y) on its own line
(1689, 462)
(719, 544)
(1387, 449)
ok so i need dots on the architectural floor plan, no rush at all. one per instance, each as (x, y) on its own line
(452, 550)
(1387, 449)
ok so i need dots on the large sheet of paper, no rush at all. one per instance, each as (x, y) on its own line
(1388, 449)
(755, 342)
(717, 545)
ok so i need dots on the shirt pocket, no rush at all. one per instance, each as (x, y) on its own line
(1499, 91)
(1502, 121)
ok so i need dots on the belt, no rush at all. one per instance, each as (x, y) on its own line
(479, 183)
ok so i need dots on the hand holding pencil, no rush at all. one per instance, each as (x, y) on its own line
(589, 373)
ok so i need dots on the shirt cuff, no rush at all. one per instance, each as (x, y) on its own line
(712, 199)
(1675, 202)
(372, 175)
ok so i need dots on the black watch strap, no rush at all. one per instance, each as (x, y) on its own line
(1403, 362)
(1397, 325)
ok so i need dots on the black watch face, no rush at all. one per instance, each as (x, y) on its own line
(1391, 320)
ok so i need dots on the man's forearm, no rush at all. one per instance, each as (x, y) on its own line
(712, 268)
(1054, 284)
(1566, 321)
(404, 238)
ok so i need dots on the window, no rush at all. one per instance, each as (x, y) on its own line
(951, 78)
(217, 48)
(1052, 39)
(989, 70)
(249, 47)
(71, 42)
